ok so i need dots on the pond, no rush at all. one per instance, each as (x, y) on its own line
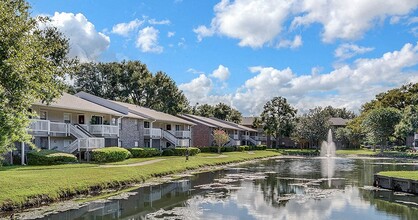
(284, 188)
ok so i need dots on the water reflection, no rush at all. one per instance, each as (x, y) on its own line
(332, 188)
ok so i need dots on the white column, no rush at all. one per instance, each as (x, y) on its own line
(11, 157)
(23, 152)
(49, 143)
(150, 134)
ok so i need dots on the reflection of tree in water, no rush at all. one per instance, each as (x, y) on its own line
(275, 190)
(388, 202)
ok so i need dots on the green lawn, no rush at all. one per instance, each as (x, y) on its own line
(20, 183)
(356, 152)
(401, 174)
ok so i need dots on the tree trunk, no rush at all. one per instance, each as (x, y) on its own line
(277, 141)
(219, 149)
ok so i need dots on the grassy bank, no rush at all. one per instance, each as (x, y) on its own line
(356, 152)
(401, 174)
(298, 152)
(24, 186)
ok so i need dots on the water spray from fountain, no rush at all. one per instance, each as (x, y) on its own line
(328, 147)
(328, 158)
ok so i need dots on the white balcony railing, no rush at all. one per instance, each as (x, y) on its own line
(103, 130)
(183, 142)
(245, 137)
(416, 136)
(152, 132)
(38, 125)
(181, 134)
(234, 136)
(58, 128)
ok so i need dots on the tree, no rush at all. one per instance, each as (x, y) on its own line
(312, 126)
(338, 112)
(205, 110)
(131, 82)
(33, 64)
(220, 111)
(380, 125)
(221, 138)
(408, 124)
(277, 118)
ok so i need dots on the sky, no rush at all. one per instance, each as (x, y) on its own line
(245, 52)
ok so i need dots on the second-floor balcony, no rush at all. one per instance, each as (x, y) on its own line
(245, 137)
(46, 127)
(234, 136)
(152, 132)
(181, 134)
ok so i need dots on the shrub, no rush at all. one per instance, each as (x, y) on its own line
(243, 148)
(180, 151)
(260, 147)
(50, 157)
(214, 149)
(401, 148)
(110, 154)
(144, 152)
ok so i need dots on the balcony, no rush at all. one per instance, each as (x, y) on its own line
(181, 134)
(104, 130)
(183, 142)
(245, 137)
(234, 136)
(416, 136)
(46, 127)
(152, 132)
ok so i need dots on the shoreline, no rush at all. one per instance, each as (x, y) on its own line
(73, 200)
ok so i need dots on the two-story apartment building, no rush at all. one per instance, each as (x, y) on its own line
(73, 124)
(203, 130)
(144, 127)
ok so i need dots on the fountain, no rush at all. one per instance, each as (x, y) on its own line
(328, 147)
(328, 158)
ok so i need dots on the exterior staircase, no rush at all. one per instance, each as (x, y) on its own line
(84, 140)
(177, 142)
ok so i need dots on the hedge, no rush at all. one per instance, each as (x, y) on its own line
(243, 148)
(180, 151)
(50, 157)
(110, 154)
(214, 149)
(144, 152)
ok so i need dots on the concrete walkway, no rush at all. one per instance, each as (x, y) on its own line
(133, 164)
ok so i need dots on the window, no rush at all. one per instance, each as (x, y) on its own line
(43, 115)
(147, 144)
(136, 124)
(168, 127)
(67, 118)
(146, 124)
(177, 127)
(136, 143)
(120, 124)
(96, 120)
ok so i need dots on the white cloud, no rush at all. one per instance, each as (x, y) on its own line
(346, 51)
(202, 32)
(171, 34)
(125, 28)
(348, 19)
(194, 71)
(86, 43)
(162, 22)
(198, 87)
(147, 40)
(346, 86)
(295, 43)
(221, 73)
(256, 23)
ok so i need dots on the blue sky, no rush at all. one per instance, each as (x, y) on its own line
(244, 52)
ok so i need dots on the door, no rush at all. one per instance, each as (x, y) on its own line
(168, 127)
(81, 120)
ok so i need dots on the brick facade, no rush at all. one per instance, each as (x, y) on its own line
(201, 135)
(132, 130)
